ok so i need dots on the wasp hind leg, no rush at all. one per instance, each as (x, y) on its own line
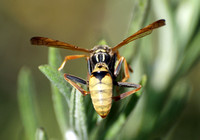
(71, 78)
(125, 94)
(126, 68)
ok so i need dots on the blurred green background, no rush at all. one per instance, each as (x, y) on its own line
(84, 23)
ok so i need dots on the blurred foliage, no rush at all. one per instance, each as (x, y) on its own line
(26, 103)
(161, 62)
(41, 134)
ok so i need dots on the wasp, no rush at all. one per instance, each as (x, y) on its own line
(104, 64)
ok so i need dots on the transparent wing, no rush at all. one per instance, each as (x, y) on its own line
(141, 33)
(55, 43)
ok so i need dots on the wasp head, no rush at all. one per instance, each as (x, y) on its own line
(101, 53)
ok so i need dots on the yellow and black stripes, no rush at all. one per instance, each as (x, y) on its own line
(101, 86)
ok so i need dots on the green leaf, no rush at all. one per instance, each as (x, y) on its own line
(54, 57)
(116, 126)
(41, 134)
(192, 54)
(173, 107)
(134, 98)
(61, 107)
(57, 79)
(26, 94)
(77, 115)
(137, 21)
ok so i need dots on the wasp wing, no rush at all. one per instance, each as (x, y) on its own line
(55, 43)
(141, 33)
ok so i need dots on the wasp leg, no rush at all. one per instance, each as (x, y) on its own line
(70, 57)
(126, 68)
(124, 95)
(77, 79)
(118, 57)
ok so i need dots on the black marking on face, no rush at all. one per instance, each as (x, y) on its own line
(94, 59)
(100, 57)
(100, 66)
(100, 74)
(106, 58)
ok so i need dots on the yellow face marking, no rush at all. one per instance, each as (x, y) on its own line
(103, 57)
(97, 59)
(100, 50)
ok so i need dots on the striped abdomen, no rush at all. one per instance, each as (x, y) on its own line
(101, 86)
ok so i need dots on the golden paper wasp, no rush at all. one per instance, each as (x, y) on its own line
(104, 64)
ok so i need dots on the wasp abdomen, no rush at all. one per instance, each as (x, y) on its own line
(101, 86)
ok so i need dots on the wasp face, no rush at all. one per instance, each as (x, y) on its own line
(100, 57)
(101, 54)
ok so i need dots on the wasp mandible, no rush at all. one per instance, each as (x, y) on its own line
(104, 64)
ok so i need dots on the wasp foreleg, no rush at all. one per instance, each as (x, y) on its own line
(69, 79)
(124, 95)
(126, 68)
(70, 57)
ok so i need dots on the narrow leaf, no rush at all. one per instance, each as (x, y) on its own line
(57, 79)
(77, 115)
(116, 126)
(54, 57)
(137, 21)
(134, 98)
(173, 107)
(59, 102)
(192, 55)
(26, 94)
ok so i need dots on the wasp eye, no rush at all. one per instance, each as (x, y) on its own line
(107, 58)
(94, 59)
